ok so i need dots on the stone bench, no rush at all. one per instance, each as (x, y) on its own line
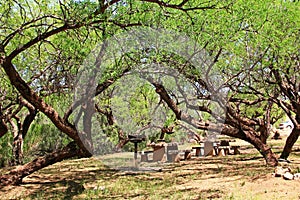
(172, 154)
(144, 155)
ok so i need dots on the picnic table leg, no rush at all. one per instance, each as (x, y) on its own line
(236, 150)
(187, 154)
(198, 152)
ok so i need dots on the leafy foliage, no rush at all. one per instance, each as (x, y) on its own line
(254, 44)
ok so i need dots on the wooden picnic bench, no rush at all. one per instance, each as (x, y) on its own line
(184, 154)
(161, 152)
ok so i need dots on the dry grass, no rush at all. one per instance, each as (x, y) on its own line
(242, 176)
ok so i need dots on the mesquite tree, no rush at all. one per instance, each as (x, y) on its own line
(47, 31)
(43, 44)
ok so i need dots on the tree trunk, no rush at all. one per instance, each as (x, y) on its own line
(16, 176)
(34, 99)
(17, 146)
(255, 140)
(17, 149)
(86, 135)
(123, 139)
(226, 129)
(290, 141)
(19, 134)
(263, 148)
(265, 125)
(3, 126)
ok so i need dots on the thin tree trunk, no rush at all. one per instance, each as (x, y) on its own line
(87, 125)
(3, 126)
(16, 151)
(19, 136)
(265, 125)
(123, 140)
(16, 176)
(290, 141)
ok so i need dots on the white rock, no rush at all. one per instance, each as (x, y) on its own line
(297, 176)
(280, 171)
(288, 176)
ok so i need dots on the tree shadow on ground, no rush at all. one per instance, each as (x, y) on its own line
(63, 186)
(71, 188)
(69, 184)
(71, 178)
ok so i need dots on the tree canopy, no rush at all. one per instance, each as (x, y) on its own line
(249, 50)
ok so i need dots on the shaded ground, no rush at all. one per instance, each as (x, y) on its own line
(243, 176)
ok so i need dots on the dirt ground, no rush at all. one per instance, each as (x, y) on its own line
(243, 176)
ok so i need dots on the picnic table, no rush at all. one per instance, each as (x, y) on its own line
(219, 148)
(158, 151)
(206, 148)
(163, 151)
(198, 150)
(225, 147)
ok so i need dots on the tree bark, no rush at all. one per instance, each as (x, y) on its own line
(290, 141)
(265, 127)
(3, 126)
(253, 139)
(229, 129)
(123, 140)
(17, 149)
(34, 99)
(16, 176)
(19, 136)
(262, 147)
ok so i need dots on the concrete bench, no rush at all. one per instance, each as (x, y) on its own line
(172, 154)
(144, 156)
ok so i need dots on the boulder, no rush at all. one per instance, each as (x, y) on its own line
(280, 171)
(297, 176)
(288, 176)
